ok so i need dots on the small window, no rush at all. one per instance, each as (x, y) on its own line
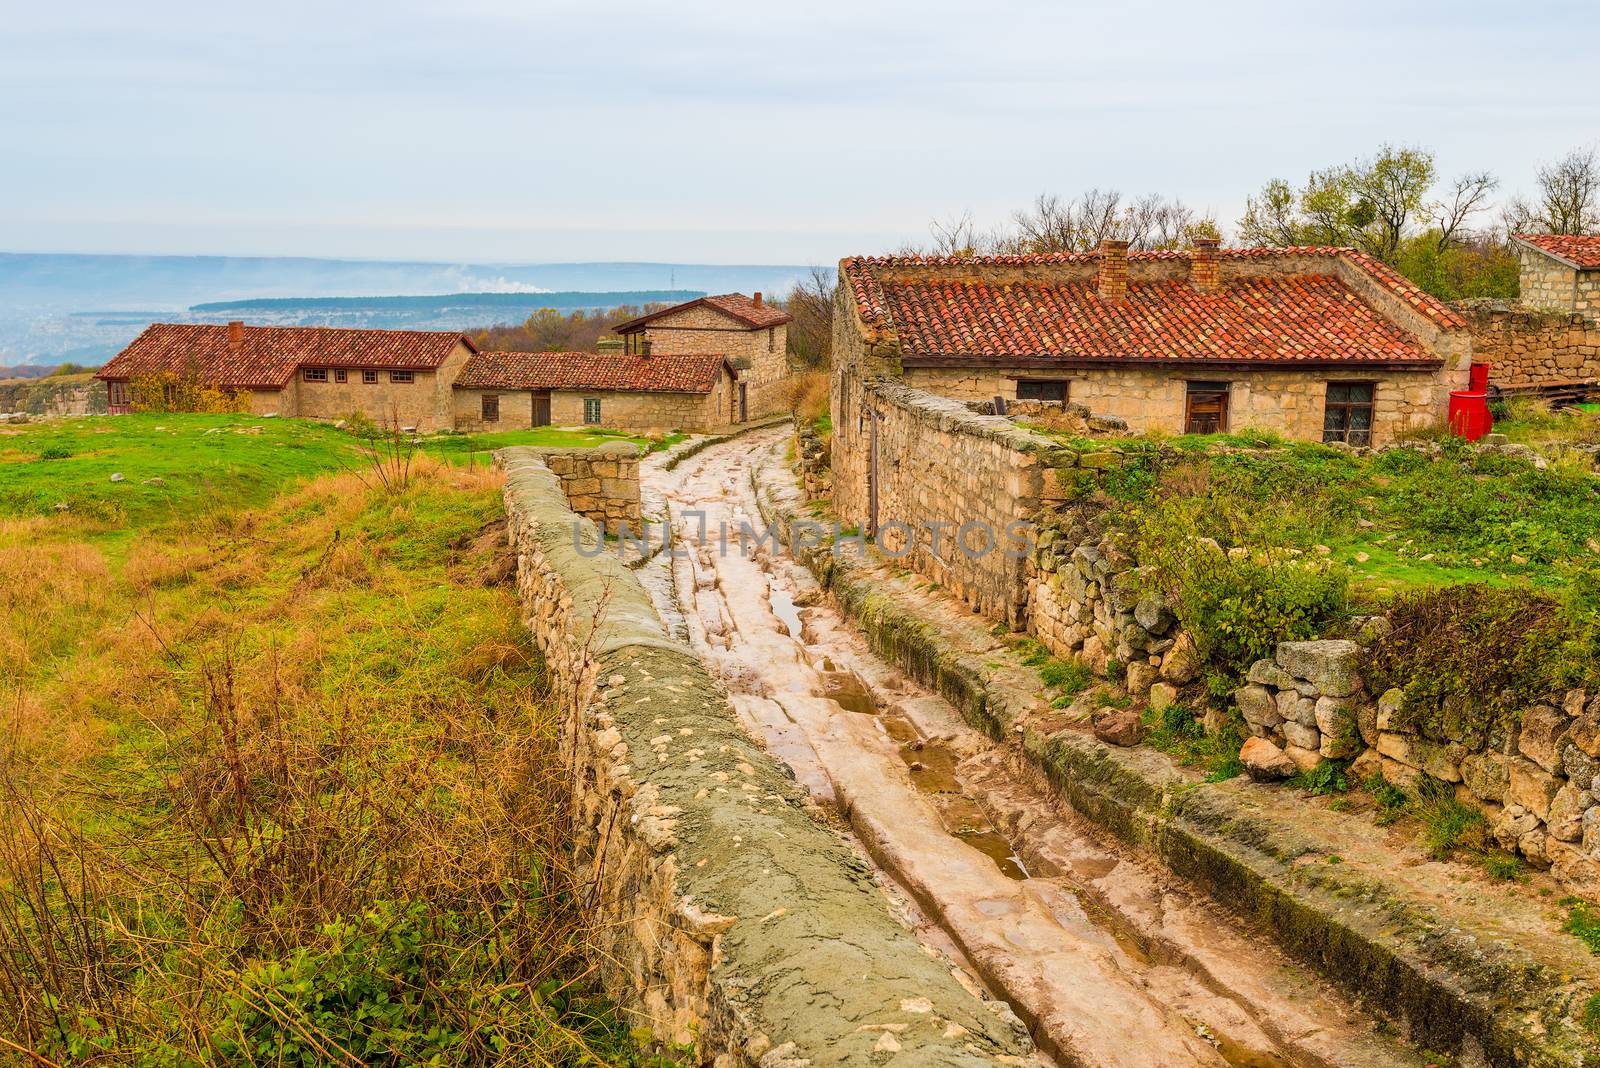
(1205, 408)
(591, 409)
(341, 375)
(119, 393)
(369, 378)
(315, 374)
(491, 409)
(1042, 389)
(772, 338)
(1348, 417)
(401, 376)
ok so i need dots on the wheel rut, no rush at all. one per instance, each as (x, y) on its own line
(1109, 960)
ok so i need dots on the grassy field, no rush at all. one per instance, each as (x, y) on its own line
(178, 466)
(279, 781)
(1398, 519)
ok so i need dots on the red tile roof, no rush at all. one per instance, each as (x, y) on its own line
(736, 306)
(1582, 252)
(267, 357)
(599, 372)
(1267, 318)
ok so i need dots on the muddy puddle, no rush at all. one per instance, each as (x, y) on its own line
(1106, 962)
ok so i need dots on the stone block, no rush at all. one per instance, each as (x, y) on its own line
(1265, 762)
(1268, 673)
(1530, 786)
(1304, 759)
(1257, 705)
(1328, 664)
(1336, 721)
(1163, 696)
(1388, 708)
(1141, 676)
(1292, 706)
(1181, 664)
(1484, 774)
(1301, 736)
(1544, 729)
(1566, 812)
(1153, 614)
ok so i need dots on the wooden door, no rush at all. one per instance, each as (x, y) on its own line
(1206, 408)
(744, 403)
(541, 409)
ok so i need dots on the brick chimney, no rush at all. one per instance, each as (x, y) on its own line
(1113, 271)
(758, 298)
(236, 334)
(1205, 265)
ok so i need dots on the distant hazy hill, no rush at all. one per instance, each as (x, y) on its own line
(483, 303)
(83, 308)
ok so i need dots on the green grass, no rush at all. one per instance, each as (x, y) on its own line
(476, 448)
(1399, 520)
(198, 460)
(177, 467)
(344, 674)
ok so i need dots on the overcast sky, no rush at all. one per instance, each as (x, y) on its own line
(491, 130)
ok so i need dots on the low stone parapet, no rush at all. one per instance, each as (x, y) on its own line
(601, 483)
(724, 916)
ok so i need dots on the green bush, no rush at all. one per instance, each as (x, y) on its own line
(1469, 658)
(1239, 605)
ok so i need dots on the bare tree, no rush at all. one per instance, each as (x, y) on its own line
(1568, 201)
(1468, 195)
(1053, 224)
(810, 301)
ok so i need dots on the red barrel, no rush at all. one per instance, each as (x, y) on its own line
(1469, 414)
(1478, 378)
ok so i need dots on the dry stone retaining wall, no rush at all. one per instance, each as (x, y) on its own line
(725, 917)
(1526, 345)
(601, 484)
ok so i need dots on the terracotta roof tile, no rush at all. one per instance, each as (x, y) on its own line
(734, 305)
(1581, 252)
(1269, 318)
(268, 356)
(601, 372)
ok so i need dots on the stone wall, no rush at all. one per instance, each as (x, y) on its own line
(1525, 345)
(648, 413)
(1289, 402)
(55, 395)
(813, 455)
(723, 915)
(601, 484)
(1536, 782)
(1551, 285)
(946, 477)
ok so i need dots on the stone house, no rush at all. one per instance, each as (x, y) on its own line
(1560, 272)
(752, 334)
(641, 394)
(308, 372)
(1320, 344)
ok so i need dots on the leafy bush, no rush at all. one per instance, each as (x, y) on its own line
(1469, 658)
(55, 452)
(1239, 604)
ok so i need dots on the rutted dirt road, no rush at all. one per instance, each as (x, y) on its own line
(1108, 959)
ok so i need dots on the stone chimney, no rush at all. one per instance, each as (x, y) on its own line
(1205, 265)
(236, 335)
(1113, 271)
(644, 347)
(758, 298)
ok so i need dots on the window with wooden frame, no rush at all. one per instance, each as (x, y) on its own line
(118, 394)
(314, 374)
(491, 408)
(1205, 407)
(1052, 390)
(591, 409)
(369, 378)
(1348, 415)
(772, 338)
(341, 375)
(401, 376)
